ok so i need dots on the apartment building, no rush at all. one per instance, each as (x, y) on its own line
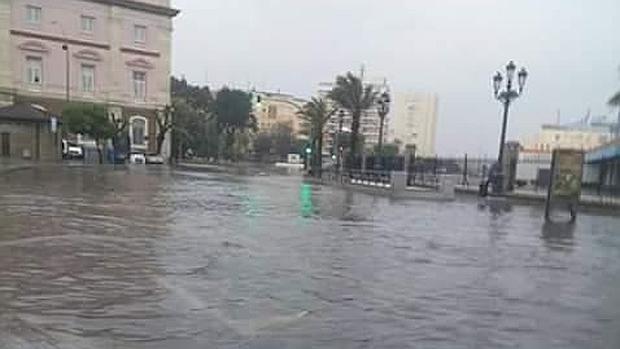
(112, 52)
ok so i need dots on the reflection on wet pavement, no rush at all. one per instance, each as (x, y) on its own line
(148, 258)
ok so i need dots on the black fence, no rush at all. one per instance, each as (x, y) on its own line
(427, 172)
(421, 171)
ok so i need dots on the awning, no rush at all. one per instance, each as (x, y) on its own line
(604, 153)
(25, 112)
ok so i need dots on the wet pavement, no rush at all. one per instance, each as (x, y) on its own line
(149, 258)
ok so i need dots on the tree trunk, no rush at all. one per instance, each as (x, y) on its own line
(161, 137)
(99, 152)
(319, 155)
(355, 126)
(230, 144)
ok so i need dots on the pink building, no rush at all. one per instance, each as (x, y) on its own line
(113, 52)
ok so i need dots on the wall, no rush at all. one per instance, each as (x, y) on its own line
(23, 137)
(5, 57)
(110, 49)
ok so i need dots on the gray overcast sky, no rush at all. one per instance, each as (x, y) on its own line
(451, 47)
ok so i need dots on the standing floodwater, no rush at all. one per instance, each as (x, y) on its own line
(147, 258)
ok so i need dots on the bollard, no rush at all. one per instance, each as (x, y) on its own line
(399, 181)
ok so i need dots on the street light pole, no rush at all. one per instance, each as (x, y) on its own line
(502, 139)
(338, 146)
(383, 109)
(505, 97)
(65, 47)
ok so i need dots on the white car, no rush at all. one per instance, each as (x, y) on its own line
(71, 150)
(154, 159)
(137, 158)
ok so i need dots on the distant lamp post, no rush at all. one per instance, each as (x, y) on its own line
(65, 47)
(338, 146)
(308, 151)
(506, 96)
(383, 108)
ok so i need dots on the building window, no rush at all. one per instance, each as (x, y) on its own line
(139, 34)
(139, 85)
(33, 14)
(34, 70)
(137, 131)
(88, 78)
(88, 24)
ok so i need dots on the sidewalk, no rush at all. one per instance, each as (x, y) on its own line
(587, 200)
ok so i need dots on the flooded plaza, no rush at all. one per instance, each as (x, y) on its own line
(154, 258)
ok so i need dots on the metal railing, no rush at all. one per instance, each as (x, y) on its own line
(369, 177)
(422, 179)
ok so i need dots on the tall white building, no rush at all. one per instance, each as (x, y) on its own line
(414, 121)
(369, 122)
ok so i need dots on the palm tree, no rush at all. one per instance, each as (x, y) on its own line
(351, 94)
(316, 114)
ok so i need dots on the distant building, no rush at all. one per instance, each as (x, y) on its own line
(271, 109)
(590, 135)
(118, 53)
(585, 134)
(414, 121)
(369, 122)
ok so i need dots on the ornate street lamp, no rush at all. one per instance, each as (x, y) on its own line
(506, 97)
(338, 147)
(383, 108)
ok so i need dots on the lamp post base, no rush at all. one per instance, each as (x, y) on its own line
(498, 183)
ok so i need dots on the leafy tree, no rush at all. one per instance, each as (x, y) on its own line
(232, 110)
(283, 140)
(315, 114)
(90, 120)
(279, 140)
(615, 100)
(350, 93)
(263, 144)
(186, 125)
(193, 125)
(199, 97)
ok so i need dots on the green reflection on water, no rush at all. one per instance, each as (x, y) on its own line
(305, 200)
(251, 205)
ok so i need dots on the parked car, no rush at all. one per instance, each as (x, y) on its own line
(154, 159)
(137, 158)
(71, 150)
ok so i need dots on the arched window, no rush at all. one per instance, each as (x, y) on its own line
(138, 127)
